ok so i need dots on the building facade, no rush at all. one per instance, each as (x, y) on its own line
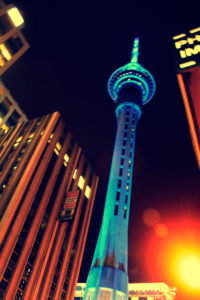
(187, 62)
(139, 291)
(47, 191)
(12, 42)
(130, 86)
(10, 112)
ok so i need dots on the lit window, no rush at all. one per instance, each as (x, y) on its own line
(31, 135)
(5, 127)
(19, 139)
(87, 191)
(17, 142)
(75, 172)
(125, 212)
(5, 52)
(129, 163)
(66, 159)
(51, 136)
(15, 16)
(57, 148)
(81, 182)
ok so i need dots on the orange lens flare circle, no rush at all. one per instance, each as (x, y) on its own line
(161, 230)
(151, 217)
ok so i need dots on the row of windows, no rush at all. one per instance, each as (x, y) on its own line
(116, 209)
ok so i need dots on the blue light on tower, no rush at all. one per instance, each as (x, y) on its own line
(130, 86)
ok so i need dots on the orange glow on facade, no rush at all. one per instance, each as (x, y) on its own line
(193, 132)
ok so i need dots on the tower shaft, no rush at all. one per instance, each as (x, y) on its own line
(130, 86)
(108, 278)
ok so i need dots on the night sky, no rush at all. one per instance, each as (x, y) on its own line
(75, 46)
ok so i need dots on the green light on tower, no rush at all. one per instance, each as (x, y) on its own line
(130, 86)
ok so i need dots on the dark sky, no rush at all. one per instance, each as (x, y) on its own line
(75, 46)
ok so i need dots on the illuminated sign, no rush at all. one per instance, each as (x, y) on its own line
(69, 206)
(187, 49)
(187, 59)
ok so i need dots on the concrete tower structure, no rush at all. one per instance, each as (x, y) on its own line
(130, 86)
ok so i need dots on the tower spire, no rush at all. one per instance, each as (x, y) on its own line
(135, 51)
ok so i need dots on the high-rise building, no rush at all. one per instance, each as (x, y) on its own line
(10, 112)
(47, 191)
(187, 61)
(12, 42)
(130, 86)
(139, 291)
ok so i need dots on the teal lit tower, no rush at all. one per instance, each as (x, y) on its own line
(131, 87)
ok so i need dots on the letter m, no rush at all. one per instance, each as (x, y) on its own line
(192, 51)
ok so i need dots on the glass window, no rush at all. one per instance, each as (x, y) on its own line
(119, 183)
(122, 161)
(117, 196)
(116, 209)
(120, 171)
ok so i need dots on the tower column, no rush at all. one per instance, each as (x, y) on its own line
(130, 86)
(108, 274)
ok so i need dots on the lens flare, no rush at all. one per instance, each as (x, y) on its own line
(151, 217)
(189, 270)
(175, 258)
(161, 230)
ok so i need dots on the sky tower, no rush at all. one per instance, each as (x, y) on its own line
(130, 86)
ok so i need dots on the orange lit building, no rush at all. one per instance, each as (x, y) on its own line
(187, 60)
(12, 42)
(47, 191)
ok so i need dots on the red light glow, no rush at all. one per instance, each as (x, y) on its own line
(189, 269)
(175, 259)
